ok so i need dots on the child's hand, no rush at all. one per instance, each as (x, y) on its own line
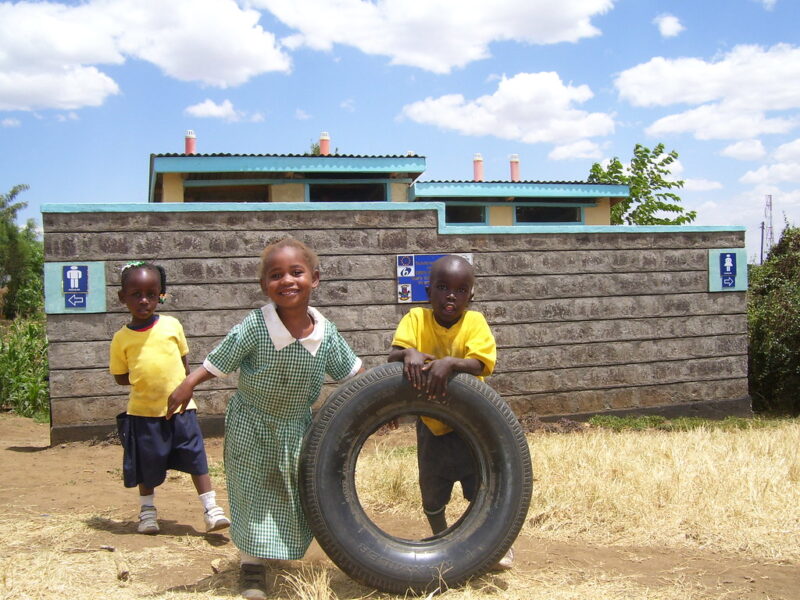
(178, 400)
(438, 372)
(413, 365)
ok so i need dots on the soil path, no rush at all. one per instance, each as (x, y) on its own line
(85, 478)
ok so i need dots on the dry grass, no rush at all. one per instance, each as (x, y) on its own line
(732, 492)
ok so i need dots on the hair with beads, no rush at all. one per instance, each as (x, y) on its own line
(141, 264)
(308, 254)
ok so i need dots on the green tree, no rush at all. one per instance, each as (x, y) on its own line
(21, 259)
(773, 315)
(650, 202)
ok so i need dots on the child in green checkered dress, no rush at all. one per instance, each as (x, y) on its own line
(282, 351)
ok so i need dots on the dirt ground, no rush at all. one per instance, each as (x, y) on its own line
(85, 479)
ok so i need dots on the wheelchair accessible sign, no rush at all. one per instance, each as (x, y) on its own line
(727, 270)
(413, 275)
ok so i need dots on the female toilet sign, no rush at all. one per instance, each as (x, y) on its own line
(727, 270)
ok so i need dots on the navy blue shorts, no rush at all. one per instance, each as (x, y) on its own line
(152, 445)
(443, 460)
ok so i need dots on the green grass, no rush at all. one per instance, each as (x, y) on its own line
(24, 368)
(655, 422)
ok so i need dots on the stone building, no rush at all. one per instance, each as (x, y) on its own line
(589, 318)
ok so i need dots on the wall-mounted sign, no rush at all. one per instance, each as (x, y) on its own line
(75, 287)
(727, 270)
(413, 274)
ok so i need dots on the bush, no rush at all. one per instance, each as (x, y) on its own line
(23, 368)
(773, 312)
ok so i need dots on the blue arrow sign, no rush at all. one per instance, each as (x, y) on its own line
(75, 300)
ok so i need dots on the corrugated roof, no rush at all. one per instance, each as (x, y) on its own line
(508, 182)
(322, 156)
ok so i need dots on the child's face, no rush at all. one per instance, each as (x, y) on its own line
(450, 292)
(140, 294)
(288, 278)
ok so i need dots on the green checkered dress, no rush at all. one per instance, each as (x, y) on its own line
(265, 423)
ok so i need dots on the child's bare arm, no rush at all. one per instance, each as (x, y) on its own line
(413, 361)
(181, 395)
(123, 379)
(439, 372)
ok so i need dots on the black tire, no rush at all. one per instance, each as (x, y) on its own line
(469, 547)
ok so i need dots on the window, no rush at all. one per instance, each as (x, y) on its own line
(347, 192)
(465, 214)
(547, 214)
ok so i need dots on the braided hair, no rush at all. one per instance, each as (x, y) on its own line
(141, 264)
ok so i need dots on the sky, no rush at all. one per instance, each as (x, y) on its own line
(88, 90)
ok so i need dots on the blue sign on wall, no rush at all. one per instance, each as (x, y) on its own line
(74, 287)
(727, 270)
(413, 274)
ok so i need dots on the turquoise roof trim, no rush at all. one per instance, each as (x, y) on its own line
(385, 206)
(296, 164)
(507, 189)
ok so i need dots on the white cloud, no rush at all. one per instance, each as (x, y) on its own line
(733, 92)
(668, 25)
(208, 109)
(528, 107)
(301, 115)
(257, 118)
(768, 4)
(700, 185)
(579, 149)
(349, 105)
(51, 54)
(785, 168)
(70, 116)
(435, 35)
(10, 122)
(745, 150)
(788, 152)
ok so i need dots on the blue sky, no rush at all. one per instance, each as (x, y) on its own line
(88, 90)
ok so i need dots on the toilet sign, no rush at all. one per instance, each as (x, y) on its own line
(727, 270)
(74, 287)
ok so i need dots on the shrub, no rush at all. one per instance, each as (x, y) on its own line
(773, 313)
(23, 368)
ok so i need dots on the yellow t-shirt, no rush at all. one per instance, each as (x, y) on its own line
(469, 338)
(152, 359)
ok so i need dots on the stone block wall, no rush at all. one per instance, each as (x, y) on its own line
(587, 320)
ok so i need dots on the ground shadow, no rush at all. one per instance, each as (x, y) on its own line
(168, 528)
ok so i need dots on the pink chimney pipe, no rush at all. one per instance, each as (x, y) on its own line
(477, 167)
(190, 146)
(514, 163)
(324, 143)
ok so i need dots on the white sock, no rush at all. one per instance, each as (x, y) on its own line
(147, 500)
(208, 500)
(249, 559)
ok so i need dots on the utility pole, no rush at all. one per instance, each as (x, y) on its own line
(767, 237)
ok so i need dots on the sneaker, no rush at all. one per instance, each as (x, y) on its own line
(148, 522)
(505, 563)
(252, 582)
(215, 519)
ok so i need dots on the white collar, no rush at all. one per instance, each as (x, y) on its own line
(280, 335)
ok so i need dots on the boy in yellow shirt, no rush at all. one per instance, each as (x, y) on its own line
(433, 343)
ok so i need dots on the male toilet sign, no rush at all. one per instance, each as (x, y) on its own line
(75, 284)
(75, 287)
(727, 270)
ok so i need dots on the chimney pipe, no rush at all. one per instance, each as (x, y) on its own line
(477, 167)
(190, 147)
(514, 163)
(324, 143)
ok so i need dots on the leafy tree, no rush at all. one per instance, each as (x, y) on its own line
(650, 202)
(773, 314)
(21, 259)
